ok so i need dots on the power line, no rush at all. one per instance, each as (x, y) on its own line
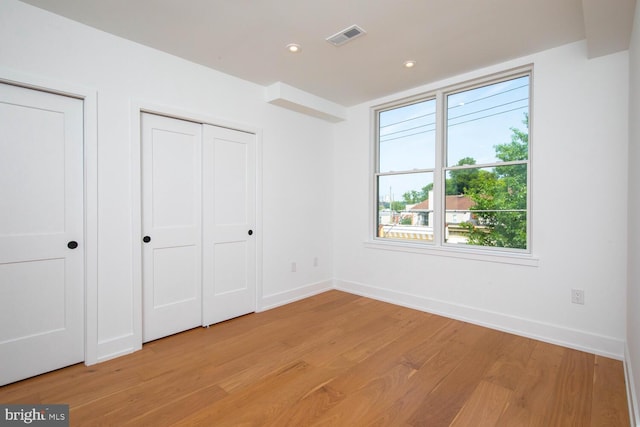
(408, 120)
(455, 124)
(486, 109)
(457, 106)
(489, 115)
(453, 118)
(406, 136)
(406, 130)
(486, 97)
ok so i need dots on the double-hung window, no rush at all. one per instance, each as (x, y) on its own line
(452, 168)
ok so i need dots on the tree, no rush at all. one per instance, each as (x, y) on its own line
(499, 195)
(412, 197)
(461, 179)
(406, 220)
(398, 206)
(501, 200)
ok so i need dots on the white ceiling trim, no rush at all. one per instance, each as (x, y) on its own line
(286, 96)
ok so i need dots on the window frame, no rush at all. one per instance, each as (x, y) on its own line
(378, 174)
(439, 246)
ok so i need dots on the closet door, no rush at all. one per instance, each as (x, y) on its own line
(41, 232)
(171, 225)
(229, 246)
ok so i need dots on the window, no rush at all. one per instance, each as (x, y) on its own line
(452, 168)
(406, 166)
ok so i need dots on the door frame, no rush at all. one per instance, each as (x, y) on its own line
(137, 108)
(89, 97)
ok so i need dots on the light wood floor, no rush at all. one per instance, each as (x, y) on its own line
(339, 360)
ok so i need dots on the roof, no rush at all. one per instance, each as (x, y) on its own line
(452, 203)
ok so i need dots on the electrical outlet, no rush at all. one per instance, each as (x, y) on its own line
(293, 267)
(315, 261)
(577, 296)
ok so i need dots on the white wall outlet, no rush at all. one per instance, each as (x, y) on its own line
(577, 296)
(293, 267)
(315, 261)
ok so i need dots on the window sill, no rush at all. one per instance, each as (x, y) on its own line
(502, 257)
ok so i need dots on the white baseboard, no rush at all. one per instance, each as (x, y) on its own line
(632, 397)
(282, 298)
(579, 340)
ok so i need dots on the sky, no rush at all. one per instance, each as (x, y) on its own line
(477, 120)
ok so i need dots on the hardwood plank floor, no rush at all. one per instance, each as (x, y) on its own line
(338, 359)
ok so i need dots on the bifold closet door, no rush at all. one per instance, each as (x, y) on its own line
(171, 225)
(229, 213)
(41, 232)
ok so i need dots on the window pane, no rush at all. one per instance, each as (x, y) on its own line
(407, 137)
(491, 210)
(404, 210)
(489, 124)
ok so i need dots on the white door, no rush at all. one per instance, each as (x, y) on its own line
(229, 247)
(171, 225)
(41, 232)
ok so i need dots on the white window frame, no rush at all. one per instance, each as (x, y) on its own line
(438, 246)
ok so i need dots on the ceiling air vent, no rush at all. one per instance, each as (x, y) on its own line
(346, 35)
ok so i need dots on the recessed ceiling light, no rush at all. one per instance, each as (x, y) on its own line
(409, 64)
(294, 48)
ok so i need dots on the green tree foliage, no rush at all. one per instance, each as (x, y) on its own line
(501, 198)
(405, 220)
(398, 206)
(462, 179)
(499, 195)
(413, 196)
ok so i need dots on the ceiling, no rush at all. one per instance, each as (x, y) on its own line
(247, 38)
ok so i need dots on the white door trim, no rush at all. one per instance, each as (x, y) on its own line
(137, 108)
(90, 146)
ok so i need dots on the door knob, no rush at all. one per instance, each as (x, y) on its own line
(146, 239)
(72, 244)
(250, 232)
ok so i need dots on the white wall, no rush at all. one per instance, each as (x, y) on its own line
(633, 289)
(296, 155)
(579, 143)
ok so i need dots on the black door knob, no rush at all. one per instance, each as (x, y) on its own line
(146, 239)
(250, 232)
(72, 244)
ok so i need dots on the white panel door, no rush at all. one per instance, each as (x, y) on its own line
(229, 247)
(171, 225)
(41, 232)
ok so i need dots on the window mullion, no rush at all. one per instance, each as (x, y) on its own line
(438, 178)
